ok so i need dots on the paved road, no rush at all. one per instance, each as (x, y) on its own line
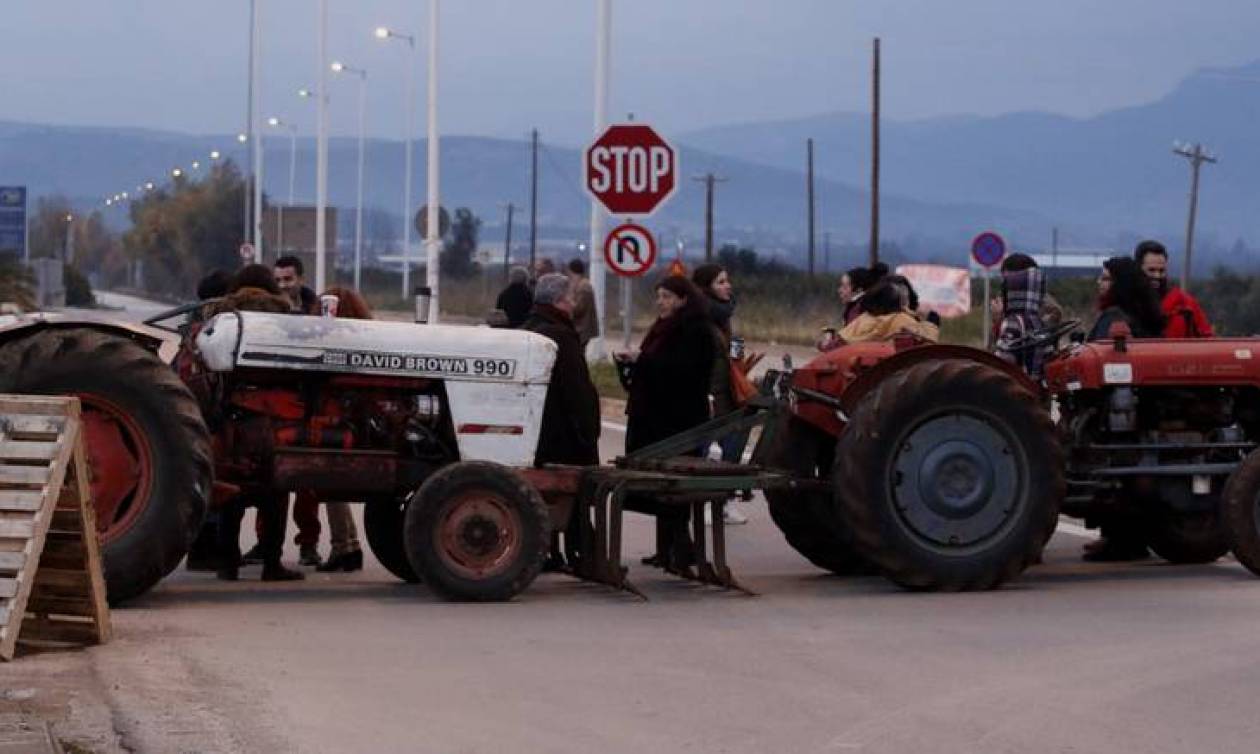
(1138, 657)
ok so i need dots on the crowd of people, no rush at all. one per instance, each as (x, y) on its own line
(689, 368)
(279, 289)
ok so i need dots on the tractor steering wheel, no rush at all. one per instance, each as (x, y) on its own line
(1043, 338)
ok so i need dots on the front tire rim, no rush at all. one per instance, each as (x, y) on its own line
(478, 535)
(121, 459)
(957, 481)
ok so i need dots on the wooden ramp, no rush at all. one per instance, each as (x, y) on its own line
(52, 589)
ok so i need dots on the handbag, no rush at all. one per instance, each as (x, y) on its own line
(742, 388)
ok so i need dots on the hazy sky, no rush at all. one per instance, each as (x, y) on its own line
(508, 65)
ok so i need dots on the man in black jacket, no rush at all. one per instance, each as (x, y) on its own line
(570, 420)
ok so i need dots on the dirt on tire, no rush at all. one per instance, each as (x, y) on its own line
(949, 476)
(157, 420)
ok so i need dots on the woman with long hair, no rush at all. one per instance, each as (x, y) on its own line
(1125, 295)
(668, 385)
(715, 283)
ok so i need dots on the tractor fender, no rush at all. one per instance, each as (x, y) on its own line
(850, 372)
(934, 352)
(164, 343)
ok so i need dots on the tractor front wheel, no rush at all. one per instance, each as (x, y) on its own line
(1240, 512)
(476, 531)
(383, 519)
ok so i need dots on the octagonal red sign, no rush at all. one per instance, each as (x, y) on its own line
(630, 169)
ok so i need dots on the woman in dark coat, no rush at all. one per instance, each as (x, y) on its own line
(1125, 295)
(669, 393)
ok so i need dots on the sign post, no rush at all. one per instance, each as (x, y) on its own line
(631, 170)
(988, 250)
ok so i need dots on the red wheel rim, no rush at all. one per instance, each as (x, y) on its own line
(121, 459)
(478, 535)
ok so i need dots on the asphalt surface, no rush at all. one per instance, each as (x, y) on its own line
(1074, 657)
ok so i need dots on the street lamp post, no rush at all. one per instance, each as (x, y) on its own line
(69, 239)
(383, 32)
(432, 242)
(277, 123)
(339, 67)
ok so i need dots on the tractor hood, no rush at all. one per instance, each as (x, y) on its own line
(397, 349)
(1210, 362)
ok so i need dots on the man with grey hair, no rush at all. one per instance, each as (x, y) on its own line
(570, 418)
(516, 299)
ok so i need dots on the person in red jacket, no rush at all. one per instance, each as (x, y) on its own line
(1185, 316)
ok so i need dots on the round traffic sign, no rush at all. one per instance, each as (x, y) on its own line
(630, 169)
(421, 221)
(246, 252)
(630, 250)
(988, 249)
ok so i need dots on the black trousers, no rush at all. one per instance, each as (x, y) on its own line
(273, 515)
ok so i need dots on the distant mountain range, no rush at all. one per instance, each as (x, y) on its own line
(1103, 180)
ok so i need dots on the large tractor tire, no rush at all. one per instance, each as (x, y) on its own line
(476, 531)
(1240, 512)
(949, 476)
(806, 517)
(383, 519)
(1186, 538)
(147, 446)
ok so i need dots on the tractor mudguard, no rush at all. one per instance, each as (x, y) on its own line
(852, 371)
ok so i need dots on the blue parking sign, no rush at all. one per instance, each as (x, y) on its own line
(13, 220)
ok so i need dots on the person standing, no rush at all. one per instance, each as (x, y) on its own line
(585, 317)
(516, 299)
(715, 283)
(1185, 318)
(668, 385)
(344, 551)
(290, 276)
(570, 418)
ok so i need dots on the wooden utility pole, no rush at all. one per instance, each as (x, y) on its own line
(1197, 154)
(826, 251)
(874, 252)
(507, 244)
(533, 201)
(708, 179)
(809, 194)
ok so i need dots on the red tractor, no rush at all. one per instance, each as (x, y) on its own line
(948, 473)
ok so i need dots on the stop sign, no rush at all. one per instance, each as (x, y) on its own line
(630, 169)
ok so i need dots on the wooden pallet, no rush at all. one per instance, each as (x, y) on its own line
(52, 588)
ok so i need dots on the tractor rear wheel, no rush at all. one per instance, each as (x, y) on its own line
(1240, 512)
(383, 519)
(806, 518)
(1186, 538)
(147, 445)
(476, 531)
(949, 476)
